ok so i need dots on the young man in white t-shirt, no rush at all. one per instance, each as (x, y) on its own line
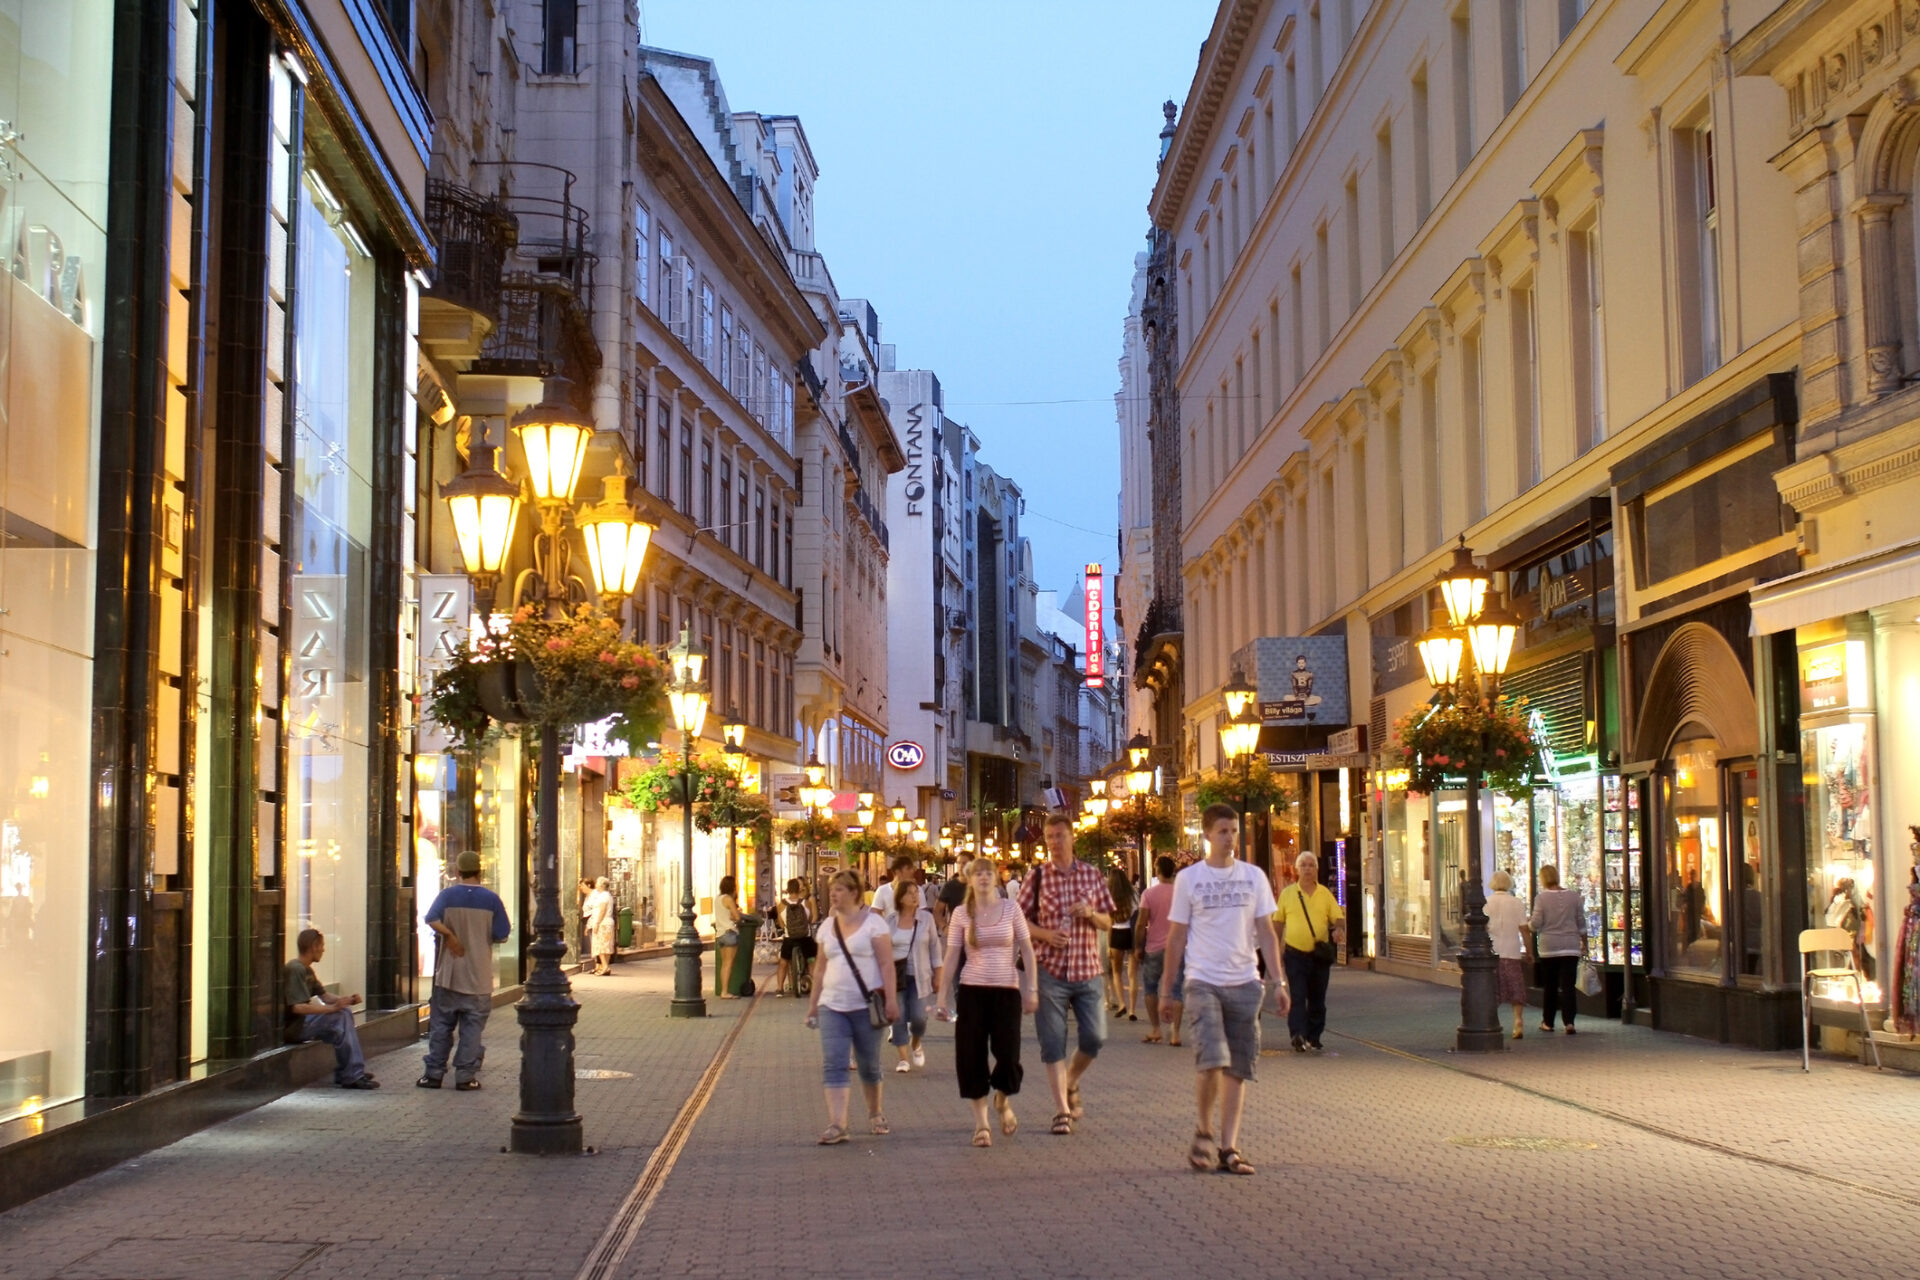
(1221, 915)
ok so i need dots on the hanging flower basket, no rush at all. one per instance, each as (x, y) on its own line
(574, 669)
(1442, 746)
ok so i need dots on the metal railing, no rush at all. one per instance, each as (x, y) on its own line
(474, 235)
(542, 331)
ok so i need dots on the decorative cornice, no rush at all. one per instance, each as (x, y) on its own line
(1219, 64)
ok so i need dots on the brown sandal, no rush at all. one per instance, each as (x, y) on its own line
(1009, 1122)
(1062, 1125)
(983, 1137)
(1152, 1039)
(1230, 1162)
(1200, 1153)
(833, 1135)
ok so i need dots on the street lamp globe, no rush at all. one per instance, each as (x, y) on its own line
(1240, 735)
(554, 436)
(1239, 695)
(485, 507)
(1097, 786)
(1441, 652)
(864, 815)
(734, 732)
(815, 771)
(1491, 635)
(617, 540)
(899, 812)
(1139, 747)
(687, 695)
(1096, 806)
(1463, 586)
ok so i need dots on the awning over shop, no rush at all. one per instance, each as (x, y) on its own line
(1835, 590)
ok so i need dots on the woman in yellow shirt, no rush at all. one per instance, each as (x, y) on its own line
(1312, 926)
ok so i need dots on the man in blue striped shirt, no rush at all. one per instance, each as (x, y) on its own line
(470, 919)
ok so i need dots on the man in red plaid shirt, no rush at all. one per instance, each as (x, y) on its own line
(1067, 903)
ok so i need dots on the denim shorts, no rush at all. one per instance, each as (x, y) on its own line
(731, 938)
(1088, 1000)
(1225, 1025)
(1154, 967)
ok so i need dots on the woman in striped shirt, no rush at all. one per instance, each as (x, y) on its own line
(989, 931)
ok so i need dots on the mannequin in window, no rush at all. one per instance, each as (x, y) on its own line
(1906, 984)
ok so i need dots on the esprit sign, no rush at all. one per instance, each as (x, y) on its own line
(906, 755)
(1096, 629)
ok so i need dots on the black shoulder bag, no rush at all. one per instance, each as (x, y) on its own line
(1323, 952)
(876, 1000)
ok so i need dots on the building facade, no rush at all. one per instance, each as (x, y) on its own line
(1392, 223)
(217, 231)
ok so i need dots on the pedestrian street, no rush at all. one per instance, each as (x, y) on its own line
(1386, 1156)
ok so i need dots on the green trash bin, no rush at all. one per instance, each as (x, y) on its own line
(743, 957)
(623, 927)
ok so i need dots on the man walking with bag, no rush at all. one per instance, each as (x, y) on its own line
(1218, 924)
(1312, 925)
(1068, 904)
(470, 919)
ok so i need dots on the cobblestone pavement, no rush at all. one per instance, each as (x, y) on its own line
(1620, 1152)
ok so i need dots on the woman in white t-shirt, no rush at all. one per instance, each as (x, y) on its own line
(856, 957)
(1507, 925)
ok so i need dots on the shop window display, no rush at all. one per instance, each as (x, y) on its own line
(1409, 870)
(54, 58)
(1838, 759)
(1450, 860)
(328, 728)
(1625, 925)
(1694, 852)
(1567, 827)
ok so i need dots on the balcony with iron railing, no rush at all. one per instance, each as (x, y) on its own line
(474, 234)
(544, 313)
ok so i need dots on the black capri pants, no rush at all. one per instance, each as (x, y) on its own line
(989, 1022)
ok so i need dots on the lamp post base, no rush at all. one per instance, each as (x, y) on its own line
(547, 1124)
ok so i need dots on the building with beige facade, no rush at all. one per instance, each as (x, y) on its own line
(1572, 282)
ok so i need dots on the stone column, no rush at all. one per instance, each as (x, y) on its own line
(1882, 297)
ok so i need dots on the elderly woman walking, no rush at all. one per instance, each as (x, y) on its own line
(1559, 923)
(598, 911)
(1507, 923)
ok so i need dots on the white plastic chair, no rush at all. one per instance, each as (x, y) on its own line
(1839, 941)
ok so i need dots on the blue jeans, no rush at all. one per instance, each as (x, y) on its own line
(1089, 1002)
(337, 1029)
(838, 1032)
(912, 1022)
(446, 1011)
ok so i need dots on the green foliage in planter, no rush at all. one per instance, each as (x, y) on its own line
(1438, 745)
(1264, 788)
(1156, 821)
(586, 673)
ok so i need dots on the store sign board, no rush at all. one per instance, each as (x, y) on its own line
(1302, 679)
(446, 609)
(319, 599)
(1832, 677)
(906, 755)
(1096, 629)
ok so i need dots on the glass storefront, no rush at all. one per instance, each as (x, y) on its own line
(1694, 845)
(1841, 776)
(328, 725)
(1625, 919)
(54, 60)
(1409, 872)
(1566, 836)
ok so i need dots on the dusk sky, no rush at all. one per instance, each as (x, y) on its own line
(987, 195)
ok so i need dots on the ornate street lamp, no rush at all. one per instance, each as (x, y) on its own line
(688, 697)
(1238, 694)
(1139, 786)
(484, 507)
(1481, 625)
(1238, 737)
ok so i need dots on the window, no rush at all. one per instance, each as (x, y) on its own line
(760, 526)
(757, 404)
(1697, 214)
(640, 436)
(726, 502)
(663, 455)
(1272, 174)
(760, 683)
(789, 541)
(1273, 353)
(1239, 411)
(1352, 237)
(1293, 107)
(1316, 57)
(1231, 249)
(740, 376)
(706, 324)
(723, 367)
(773, 550)
(688, 331)
(1695, 845)
(1462, 50)
(1299, 309)
(560, 22)
(663, 307)
(1322, 288)
(1422, 150)
(1383, 192)
(686, 467)
(706, 484)
(1394, 515)
(1430, 453)
(1473, 443)
(740, 514)
(1526, 386)
(1513, 51)
(1259, 390)
(642, 255)
(723, 674)
(1571, 11)
(1589, 337)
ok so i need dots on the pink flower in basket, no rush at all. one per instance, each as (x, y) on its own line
(556, 644)
(630, 682)
(1442, 760)
(640, 659)
(608, 658)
